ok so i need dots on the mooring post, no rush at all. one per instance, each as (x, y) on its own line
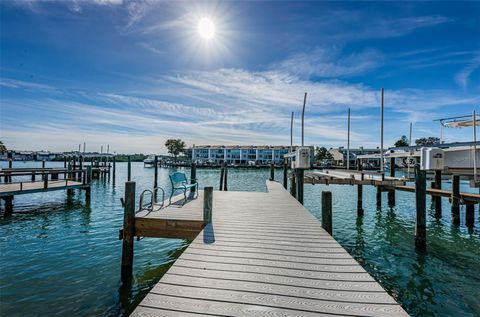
(438, 199)
(421, 219)
(80, 163)
(272, 172)
(293, 184)
(114, 166)
(300, 181)
(455, 200)
(128, 231)
(327, 211)
(207, 205)
(129, 172)
(8, 205)
(391, 193)
(33, 176)
(155, 174)
(45, 180)
(285, 173)
(74, 175)
(225, 179)
(193, 176)
(469, 214)
(222, 175)
(360, 210)
(64, 161)
(10, 163)
(89, 174)
(379, 197)
(43, 164)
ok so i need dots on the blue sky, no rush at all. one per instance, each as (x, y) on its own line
(133, 74)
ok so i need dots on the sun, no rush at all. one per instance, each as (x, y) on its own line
(206, 28)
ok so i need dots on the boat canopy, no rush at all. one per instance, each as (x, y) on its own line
(459, 122)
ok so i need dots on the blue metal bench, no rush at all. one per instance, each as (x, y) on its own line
(179, 182)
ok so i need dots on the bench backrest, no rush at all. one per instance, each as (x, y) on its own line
(178, 177)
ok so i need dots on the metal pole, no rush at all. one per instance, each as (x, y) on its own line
(84, 145)
(348, 141)
(410, 137)
(303, 117)
(474, 147)
(381, 136)
(291, 134)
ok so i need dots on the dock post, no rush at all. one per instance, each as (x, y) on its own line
(43, 164)
(469, 215)
(129, 172)
(391, 193)
(64, 161)
(193, 176)
(222, 172)
(45, 180)
(379, 197)
(300, 181)
(421, 197)
(456, 200)
(128, 232)
(293, 184)
(438, 199)
(225, 178)
(10, 163)
(360, 200)
(207, 205)
(114, 166)
(89, 174)
(327, 211)
(8, 205)
(272, 172)
(285, 173)
(155, 177)
(80, 163)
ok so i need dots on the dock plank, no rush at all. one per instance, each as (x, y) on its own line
(264, 254)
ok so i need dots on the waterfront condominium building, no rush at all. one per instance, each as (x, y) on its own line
(239, 154)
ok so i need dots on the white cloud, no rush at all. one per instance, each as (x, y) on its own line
(462, 77)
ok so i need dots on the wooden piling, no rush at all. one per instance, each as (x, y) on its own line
(128, 232)
(327, 211)
(65, 162)
(225, 179)
(45, 180)
(222, 175)
(293, 184)
(285, 173)
(455, 198)
(155, 174)
(379, 197)
(129, 172)
(207, 205)
(89, 174)
(193, 176)
(391, 193)
(272, 172)
(10, 163)
(360, 210)
(300, 180)
(114, 166)
(438, 199)
(469, 215)
(421, 218)
(8, 205)
(43, 164)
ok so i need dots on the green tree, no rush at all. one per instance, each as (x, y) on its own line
(3, 148)
(175, 147)
(321, 153)
(427, 141)
(403, 141)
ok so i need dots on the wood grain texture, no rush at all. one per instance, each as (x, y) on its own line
(263, 254)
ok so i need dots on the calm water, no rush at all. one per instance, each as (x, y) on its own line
(61, 257)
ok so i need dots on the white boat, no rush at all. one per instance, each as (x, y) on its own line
(150, 160)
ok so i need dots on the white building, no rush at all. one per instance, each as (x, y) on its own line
(239, 154)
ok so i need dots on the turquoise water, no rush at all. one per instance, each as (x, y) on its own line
(61, 257)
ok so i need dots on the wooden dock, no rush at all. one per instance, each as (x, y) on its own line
(263, 254)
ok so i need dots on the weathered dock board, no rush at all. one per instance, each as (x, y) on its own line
(7, 189)
(263, 254)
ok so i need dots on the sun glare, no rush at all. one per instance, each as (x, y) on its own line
(206, 28)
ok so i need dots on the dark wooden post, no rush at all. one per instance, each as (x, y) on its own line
(421, 219)
(45, 180)
(89, 174)
(300, 181)
(272, 172)
(285, 173)
(64, 161)
(391, 193)
(222, 175)
(74, 175)
(33, 176)
(360, 211)
(114, 165)
(225, 178)
(293, 184)
(80, 164)
(10, 163)
(327, 211)
(129, 172)
(128, 232)
(379, 197)
(8, 205)
(193, 176)
(207, 205)
(456, 200)
(438, 199)
(155, 177)
(469, 214)
(43, 164)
